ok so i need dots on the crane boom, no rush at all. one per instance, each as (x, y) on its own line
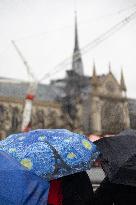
(91, 45)
(109, 32)
(24, 61)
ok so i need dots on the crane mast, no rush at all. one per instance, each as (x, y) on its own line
(30, 95)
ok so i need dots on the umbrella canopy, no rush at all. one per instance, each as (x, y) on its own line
(118, 157)
(51, 153)
(20, 186)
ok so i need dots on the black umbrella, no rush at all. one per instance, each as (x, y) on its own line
(118, 157)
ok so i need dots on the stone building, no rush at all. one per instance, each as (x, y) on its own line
(96, 103)
(99, 101)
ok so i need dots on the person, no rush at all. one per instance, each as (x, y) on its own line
(75, 189)
(118, 194)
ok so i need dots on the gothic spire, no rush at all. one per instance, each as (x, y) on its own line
(109, 67)
(94, 76)
(94, 70)
(77, 64)
(76, 48)
(122, 81)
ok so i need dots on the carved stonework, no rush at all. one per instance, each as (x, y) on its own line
(95, 114)
(10, 118)
(126, 115)
(109, 108)
(112, 117)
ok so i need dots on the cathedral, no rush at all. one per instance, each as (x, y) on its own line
(88, 104)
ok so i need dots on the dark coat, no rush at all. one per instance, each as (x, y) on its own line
(77, 189)
(109, 193)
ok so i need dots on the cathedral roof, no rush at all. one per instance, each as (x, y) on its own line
(18, 90)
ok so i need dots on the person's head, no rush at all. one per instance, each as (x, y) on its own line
(93, 138)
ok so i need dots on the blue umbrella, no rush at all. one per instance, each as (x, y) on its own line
(19, 186)
(51, 153)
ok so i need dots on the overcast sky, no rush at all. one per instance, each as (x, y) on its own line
(44, 32)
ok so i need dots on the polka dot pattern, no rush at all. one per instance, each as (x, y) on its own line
(26, 162)
(51, 153)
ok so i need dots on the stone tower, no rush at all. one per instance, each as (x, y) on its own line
(109, 106)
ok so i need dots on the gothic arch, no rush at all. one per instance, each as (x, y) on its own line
(112, 117)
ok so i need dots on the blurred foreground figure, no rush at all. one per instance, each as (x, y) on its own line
(75, 189)
(114, 194)
(118, 159)
(29, 160)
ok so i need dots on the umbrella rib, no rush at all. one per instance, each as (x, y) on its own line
(58, 157)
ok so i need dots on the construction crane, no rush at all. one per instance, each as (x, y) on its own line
(104, 36)
(30, 95)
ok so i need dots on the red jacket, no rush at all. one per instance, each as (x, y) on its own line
(55, 193)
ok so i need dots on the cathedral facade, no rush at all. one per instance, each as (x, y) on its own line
(88, 104)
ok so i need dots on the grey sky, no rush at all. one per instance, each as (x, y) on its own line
(44, 31)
